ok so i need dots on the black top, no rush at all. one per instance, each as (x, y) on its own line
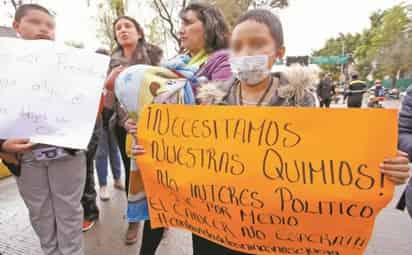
(355, 93)
(1, 144)
(325, 89)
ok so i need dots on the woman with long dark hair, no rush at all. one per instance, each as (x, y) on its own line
(131, 49)
(204, 37)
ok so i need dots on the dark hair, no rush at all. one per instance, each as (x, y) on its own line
(139, 29)
(103, 51)
(355, 76)
(214, 24)
(267, 18)
(145, 53)
(25, 8)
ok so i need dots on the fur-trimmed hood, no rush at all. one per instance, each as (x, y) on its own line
(295, 87)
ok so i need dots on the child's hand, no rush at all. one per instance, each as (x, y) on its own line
(138, 150)
(396, 169)
(16, 145)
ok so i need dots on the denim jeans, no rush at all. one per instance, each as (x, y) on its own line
(107, 148)
(121, 139)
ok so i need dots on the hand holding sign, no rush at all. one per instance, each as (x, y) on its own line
(50, 93)
(396, 169)
(269, 180)
(16, 145)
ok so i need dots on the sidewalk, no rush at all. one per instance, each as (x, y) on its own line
(106, 238)
(393, 230)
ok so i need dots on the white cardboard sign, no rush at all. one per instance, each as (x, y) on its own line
(49, 93)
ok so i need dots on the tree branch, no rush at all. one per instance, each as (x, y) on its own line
(166, 16)
(15, 5)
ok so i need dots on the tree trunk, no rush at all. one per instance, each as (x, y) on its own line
(15, 4)
(394, 79)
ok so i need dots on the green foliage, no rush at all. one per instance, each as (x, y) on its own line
(233, 9)
(154, 32)
(381, 50)
(75, 44)
(108, 11)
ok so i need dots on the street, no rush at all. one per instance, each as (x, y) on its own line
(392, 234)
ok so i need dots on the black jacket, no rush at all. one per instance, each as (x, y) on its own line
(355, 93)
(405, 143)
(325, 89)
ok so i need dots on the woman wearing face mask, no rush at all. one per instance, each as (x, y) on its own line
(256, 43)
(204, 38)
(131, 49)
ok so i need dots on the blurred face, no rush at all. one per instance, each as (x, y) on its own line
(35, 25)
(126, 33)
(192, 33)
(251, 38)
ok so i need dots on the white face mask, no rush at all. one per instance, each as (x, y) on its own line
(250, 70)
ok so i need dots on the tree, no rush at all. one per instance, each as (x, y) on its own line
(388, 46)
(75, 44)
(408, 30)
(109, 10)
(168, 13)
(16, 4)
(155, 34)
(381, 50)
(232, 9)
(334, 47)
(12, 5)
(118, 6)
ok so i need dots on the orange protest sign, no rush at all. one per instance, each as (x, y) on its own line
(268, 180)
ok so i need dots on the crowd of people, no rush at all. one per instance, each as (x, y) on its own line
(59, 191)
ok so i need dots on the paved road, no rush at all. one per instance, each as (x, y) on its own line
(392, 234)
(391, 104)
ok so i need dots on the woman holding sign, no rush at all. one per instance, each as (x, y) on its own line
(204, 38)
(256, 44)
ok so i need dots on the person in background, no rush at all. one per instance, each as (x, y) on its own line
(90, 208)
(379, 89)
(355, 92)
(204, 38)
(131, 49)
(51, 179)
(378, 97)
(405, 144)
(325, 91)
(107, 148)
